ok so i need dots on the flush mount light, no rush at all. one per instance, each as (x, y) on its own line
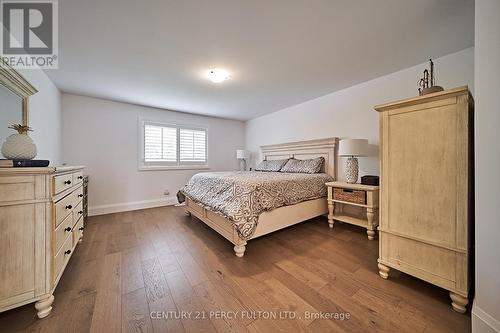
(217, 75)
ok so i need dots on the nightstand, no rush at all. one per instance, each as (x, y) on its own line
(355, 204)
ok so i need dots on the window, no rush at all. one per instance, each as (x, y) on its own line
(167, 146)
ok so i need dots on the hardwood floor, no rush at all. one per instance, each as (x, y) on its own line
(134, 269)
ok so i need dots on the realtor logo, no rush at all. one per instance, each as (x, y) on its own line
(29, 33)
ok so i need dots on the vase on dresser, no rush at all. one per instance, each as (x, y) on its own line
(19, 146)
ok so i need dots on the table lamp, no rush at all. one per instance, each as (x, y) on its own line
(353, 148)
(243, 155)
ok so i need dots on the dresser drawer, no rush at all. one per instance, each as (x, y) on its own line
(62, 182)
(63, 208)
(77, 195)
(348, 195)
(77, 177)
(62, 257)
(78, 212)
(62, 231)
(77, 231)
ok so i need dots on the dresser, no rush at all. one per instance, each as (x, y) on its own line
(41, 223)
(426, 189)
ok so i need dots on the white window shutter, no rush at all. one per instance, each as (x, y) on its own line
(192, 145)
(160, 143)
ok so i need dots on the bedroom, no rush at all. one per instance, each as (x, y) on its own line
(136, 101)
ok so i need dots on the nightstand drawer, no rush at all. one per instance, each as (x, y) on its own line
(349, 195)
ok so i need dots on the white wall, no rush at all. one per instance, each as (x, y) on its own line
(45, 116)
(486, 310)
(103, 136)
(349, 113)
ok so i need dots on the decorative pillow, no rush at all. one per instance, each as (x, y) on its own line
(303, 166)
(273, 165)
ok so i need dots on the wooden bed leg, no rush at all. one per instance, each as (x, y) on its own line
(239, 250)
(187, 212)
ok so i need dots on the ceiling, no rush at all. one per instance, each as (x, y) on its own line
(279, 52)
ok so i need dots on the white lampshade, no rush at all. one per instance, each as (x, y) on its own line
(242, 154)
(353, 147)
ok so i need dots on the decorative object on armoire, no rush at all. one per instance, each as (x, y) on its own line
(353, 148)
(370, 180)
(426, 190)
(19, 146)
(243, 155)
(426, 84)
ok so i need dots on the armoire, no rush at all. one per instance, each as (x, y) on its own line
(426, 190)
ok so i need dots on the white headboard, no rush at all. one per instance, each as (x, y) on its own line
(302, 150)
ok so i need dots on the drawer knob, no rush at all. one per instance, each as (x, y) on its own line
(80, 212)
(81, 228)
(80, 195)
(67, 229)
(69, 207)
(80, 177)
(67, 252)
(67, 182)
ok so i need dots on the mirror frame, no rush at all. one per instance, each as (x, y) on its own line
(16, 83)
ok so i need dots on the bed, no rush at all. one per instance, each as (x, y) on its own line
(299, 208)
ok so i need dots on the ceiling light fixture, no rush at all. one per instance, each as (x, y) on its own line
(217, 75)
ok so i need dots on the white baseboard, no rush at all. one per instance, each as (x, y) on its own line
(127, 206)
(483, 322)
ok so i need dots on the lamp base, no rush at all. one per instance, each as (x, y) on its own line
(352, 170)
(243, 165)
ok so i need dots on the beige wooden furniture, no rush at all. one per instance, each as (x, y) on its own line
(341, 195)
(40, 225)
(18, 85)
(425, 189)
(284, 216)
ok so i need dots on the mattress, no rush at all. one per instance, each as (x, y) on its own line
(243, 195)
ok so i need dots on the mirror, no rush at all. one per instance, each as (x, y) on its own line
(10, 112)
(14, 93)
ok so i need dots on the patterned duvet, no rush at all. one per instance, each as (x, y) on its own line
(241, 196)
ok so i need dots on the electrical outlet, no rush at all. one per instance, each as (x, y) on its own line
(166, 192)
